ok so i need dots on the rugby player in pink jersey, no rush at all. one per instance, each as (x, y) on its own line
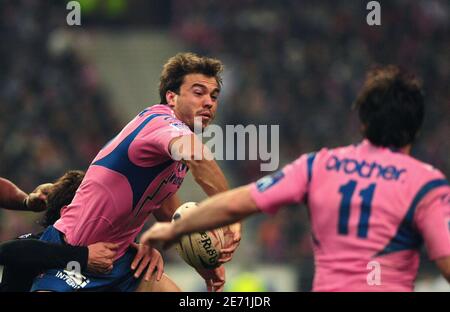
(138, 173)
(371, 205)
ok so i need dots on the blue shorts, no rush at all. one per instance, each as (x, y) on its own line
(120, 279)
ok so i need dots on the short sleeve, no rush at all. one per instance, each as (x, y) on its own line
(284, 187)
(433, 221)
(157, 136)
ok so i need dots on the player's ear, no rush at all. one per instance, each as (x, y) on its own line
(171, 98)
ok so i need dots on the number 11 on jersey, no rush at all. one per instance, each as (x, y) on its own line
(347, 191)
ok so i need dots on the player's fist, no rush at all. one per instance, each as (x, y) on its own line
(37, 200)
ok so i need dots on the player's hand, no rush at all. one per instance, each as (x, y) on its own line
(150, 258)
(160, 232)
(215, 278)
(37, 200)
(101, 257)
(232, 235)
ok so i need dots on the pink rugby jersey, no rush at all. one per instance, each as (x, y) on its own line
(128, 179)
(370, 209)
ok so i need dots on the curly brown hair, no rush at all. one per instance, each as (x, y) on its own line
(60, 195)
(182, 64)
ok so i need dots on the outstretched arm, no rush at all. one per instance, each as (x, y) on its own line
(268, 194)
(13, 198)
(219, 210)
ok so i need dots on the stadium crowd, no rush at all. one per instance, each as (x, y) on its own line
(53, 114)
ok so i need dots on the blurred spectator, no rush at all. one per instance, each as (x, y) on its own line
(53, 115)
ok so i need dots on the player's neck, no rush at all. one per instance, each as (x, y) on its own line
(405, 149)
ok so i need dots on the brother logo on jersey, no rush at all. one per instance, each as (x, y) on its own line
(364, 169)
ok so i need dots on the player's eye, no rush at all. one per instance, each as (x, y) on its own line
(198, 92)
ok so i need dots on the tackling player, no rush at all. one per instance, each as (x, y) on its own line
(24, 258)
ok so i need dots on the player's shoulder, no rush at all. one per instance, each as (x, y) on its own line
(325, 152)
(158, 110)
(163, 116)
(314, 157)
(425, 170)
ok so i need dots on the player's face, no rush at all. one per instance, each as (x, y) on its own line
(198, 98)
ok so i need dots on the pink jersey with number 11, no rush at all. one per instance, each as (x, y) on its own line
(370, 210)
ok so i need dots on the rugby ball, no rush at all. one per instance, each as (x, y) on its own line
(200, 250)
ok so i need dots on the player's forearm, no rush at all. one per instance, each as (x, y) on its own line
(201, 163)
(11, 197)
(210, 214)
(209, 176)
(220, 210)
